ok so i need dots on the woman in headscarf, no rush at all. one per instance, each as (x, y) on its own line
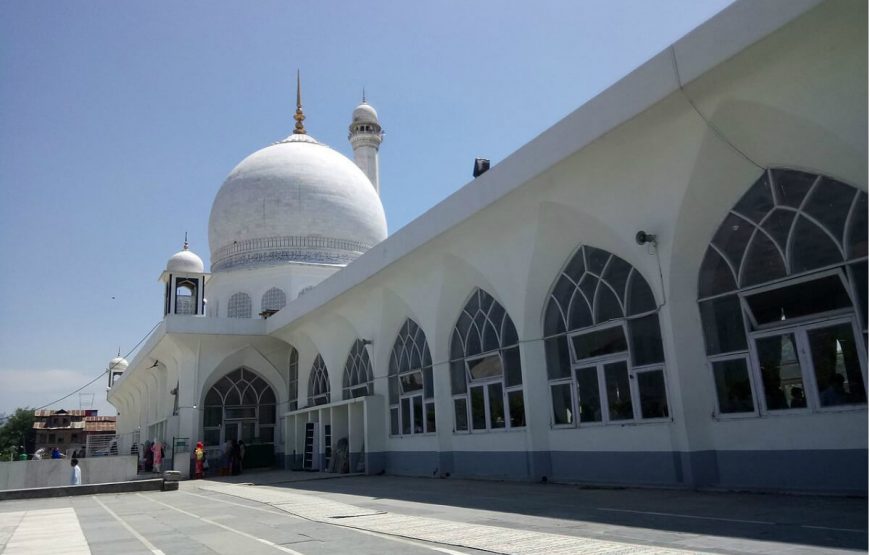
(199, 459)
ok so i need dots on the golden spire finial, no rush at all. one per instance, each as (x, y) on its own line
(299, 117)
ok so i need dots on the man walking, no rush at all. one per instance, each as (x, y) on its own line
(75, 478)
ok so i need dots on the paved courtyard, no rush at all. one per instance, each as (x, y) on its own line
(299, 513)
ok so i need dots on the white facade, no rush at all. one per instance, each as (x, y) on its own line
(671, 150)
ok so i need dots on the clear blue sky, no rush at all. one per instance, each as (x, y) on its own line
(119, 121)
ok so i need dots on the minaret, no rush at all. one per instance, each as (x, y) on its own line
(185, 279)
(365, 137)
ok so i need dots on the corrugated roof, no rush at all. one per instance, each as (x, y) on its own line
(100, 426)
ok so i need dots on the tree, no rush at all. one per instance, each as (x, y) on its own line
(17, 432)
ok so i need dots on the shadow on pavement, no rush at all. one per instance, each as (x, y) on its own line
(827, 522)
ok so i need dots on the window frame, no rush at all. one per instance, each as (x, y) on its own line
(807, 366)
(775, 180)
(599, 362)
(485, 383)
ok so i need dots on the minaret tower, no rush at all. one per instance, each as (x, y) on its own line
(365, 137)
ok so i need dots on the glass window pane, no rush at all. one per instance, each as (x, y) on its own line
(490, 338)
(811, 247)
(780, 370)
(554, 322)
(213, 397)
(596, 259)
(430, 417)
(558, 361)
(618, 392)
(211, 437)
(715, 276)
(598, 343)
(792, 186)
(829, 203)
(856, 239)
(732, 386)
(757, 201)
(579, 311)
(460, 413)
(563, 409)
(212, 416)
(478, 409)
(802, 299)
(406, 416)
(616, 275)
(411, 382)
(393, 383)
(496, 406)
(722, 320)
(607, 306)
(486, 367)
(731, 238)
(428, 387)
(859, 280)
(646, 340)
(653, 399)
(267, 414)
(418, 414)
(517, 409)
(588, 394)
(457, 377)
(513, 370)
(576, 267)
(640, 296)
(394, 421)
(778, 225)
(763, 262)
(836, 365)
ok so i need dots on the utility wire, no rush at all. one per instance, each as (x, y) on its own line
(103, 373)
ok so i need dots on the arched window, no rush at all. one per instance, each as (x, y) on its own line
(357, 380)
(485, 374)
(605, 360)
(293, 379)
(239, 306)
(185, 296)
(779, 292)
(412, 395)
(273, 299)
(240, 406)
(318, 383)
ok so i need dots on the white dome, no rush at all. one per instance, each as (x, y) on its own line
(365, 113)
(185, 261)
(118, 364)
(294, 201)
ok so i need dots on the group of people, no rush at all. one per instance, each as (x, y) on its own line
(231, 459)
(151, 456)
(234, 454)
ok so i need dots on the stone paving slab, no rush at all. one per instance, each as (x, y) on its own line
(54, 531)
(494, 539)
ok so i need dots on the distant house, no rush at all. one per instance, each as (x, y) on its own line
(68, 430)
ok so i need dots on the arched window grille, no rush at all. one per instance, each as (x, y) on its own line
(605, 361)
(782, 292)
(273, 299)
(239, 306)
(412, 395)
(357, 380)
(293, 379)
(318, 383)
(240, 406)
(485, 374)
(185, 296)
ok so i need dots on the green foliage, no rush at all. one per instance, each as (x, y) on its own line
(17, 432)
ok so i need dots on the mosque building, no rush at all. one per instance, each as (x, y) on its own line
(666, 288)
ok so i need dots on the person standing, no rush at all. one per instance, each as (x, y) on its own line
(241, 456)
(199, 460)
(157, 450)
(75, 478)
